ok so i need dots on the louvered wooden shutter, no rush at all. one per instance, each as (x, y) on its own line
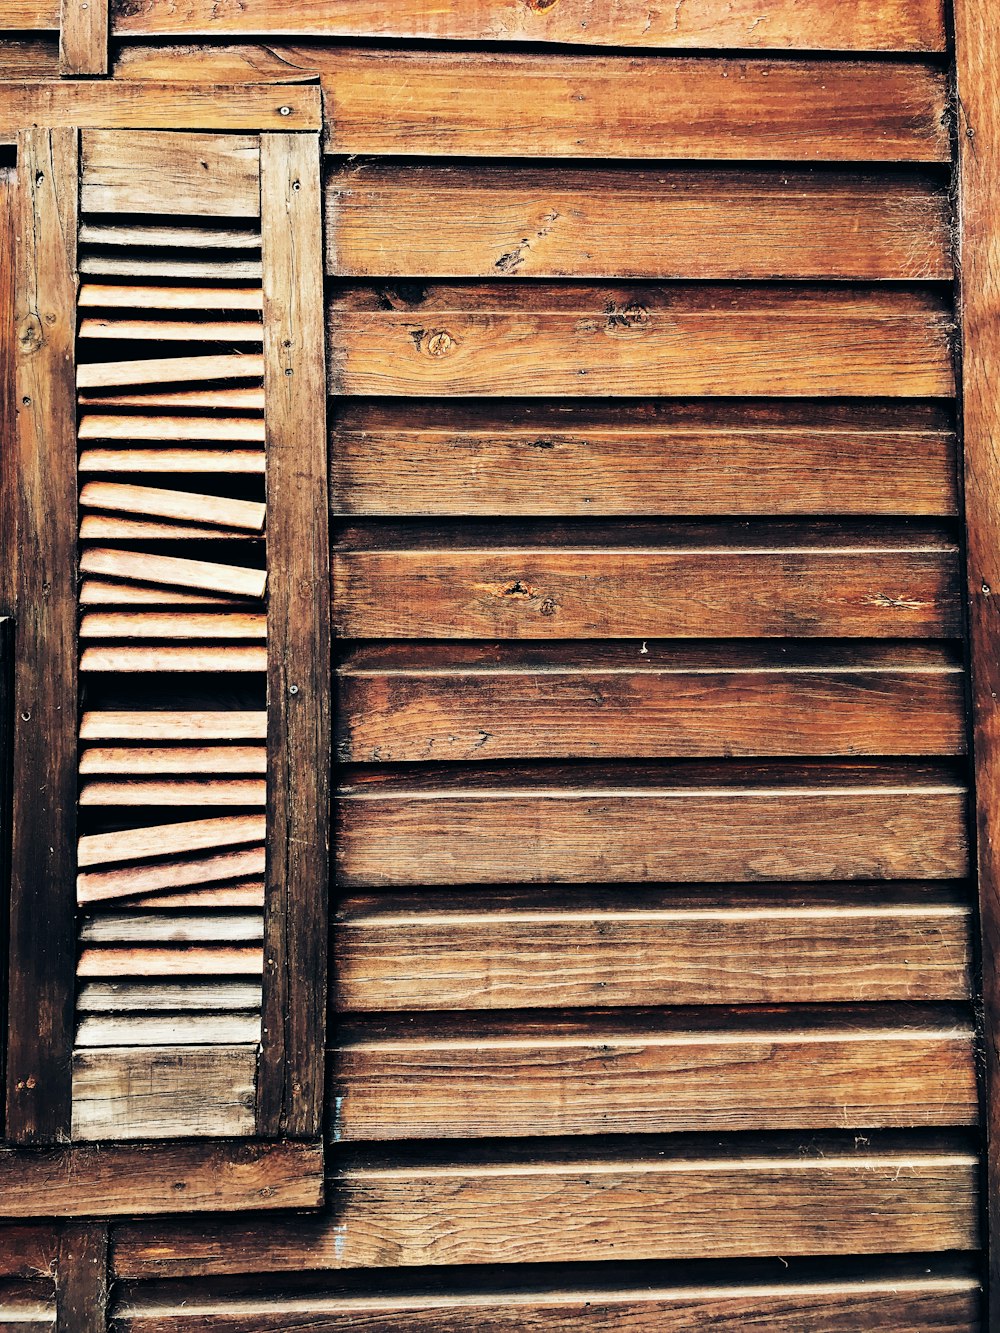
(175, 694)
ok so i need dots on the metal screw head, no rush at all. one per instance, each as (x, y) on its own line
(284, 110)
(293, 689)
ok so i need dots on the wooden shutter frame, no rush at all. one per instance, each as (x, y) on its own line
(213, 1174)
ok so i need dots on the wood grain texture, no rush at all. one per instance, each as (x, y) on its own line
(108, 105)
(160, 840)
(83, 37)
(526, 949)
(625, 592)
(81, 1278)
(978, 67)
(133, 1180)
(859, 25)
(829, 1197)
(41, 582)
(506, 340)
(552, 222)
(165, 428)
(26, 15)
(290, 1086)
(168, 725)
(123, 882)
(174, 571)
(492, 104)
(188, 506)
(694, 458)
(391, 834)
(174, 657)
(163, 1093)
(931, 1301)
(410, 705)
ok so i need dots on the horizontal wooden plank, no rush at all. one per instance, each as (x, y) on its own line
(246, 893)
(890, 1303)
(526, 949)
(189, 506)
(192, 961)
(492, 104)
(178, 233)
(489, 221)
(505, 340)
(186, 1029)
(665, 703)
(163, 1092)
(111, 997)
(118, 328)
(115, 527)
(393, 834)
(116, 1180)
(182, 873)
(170, 173)
(195, 792)
(679, 1204)
(125, 927)
(164, 428)
(148, 760)
(169, 369)
(167, 725)
(174, 657)
(239, 462)
(234, 399)
(87, 104)
(595, 1076)
(210, 625)
(618, 592)
(168, 839)
(689, 459)
(174, 571)
(121, 264)
(859, 25)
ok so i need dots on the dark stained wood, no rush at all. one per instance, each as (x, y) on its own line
(507, 340)
(8, 418)
(501, 104)
(598, 1075)
(527, 948)
(290, 1088)
(130, 1180)
(81, 1273)
(978, 68)
(552, 222)
(83, 37)
(460, 702)
(858, 25)
(688, 1200)
(621, 591)
(584, 828)
(697, 458)
(41, 579)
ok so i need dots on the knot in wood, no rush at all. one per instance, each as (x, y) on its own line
(437, 342)
(29, 333)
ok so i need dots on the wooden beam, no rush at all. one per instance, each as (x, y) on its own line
(126, 1180)
(42, 562)
(290, 1083)
(977, 49)
(82, 1279)
(83, 37)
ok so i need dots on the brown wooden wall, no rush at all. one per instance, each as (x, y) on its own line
(652, 980)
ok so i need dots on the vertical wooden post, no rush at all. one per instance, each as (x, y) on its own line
(41, 560)
(83, 37)
(977, 50)
(8, 235)
(82, 1278)
(290, 1082)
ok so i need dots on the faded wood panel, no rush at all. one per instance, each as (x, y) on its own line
(163, 1093)
(623, 592)
(290, 1089)
(81, 1278)
(407, 704)
(507, 340)
(134, 1180)
(554, 222)
(569, 834)
(594, 1076)
(153, 106)
(41, 581)
(685, 1203)
(858, 25)
(695, 458)
(526, 949)
(203, 175)
(491, 104)
(83, 37)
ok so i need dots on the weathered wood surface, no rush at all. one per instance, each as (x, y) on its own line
(125, 881)
(550, 222)
(163, 1093)
(689, 1200)
(168, 725)
(25, 15)
(511, 340)
(153, 106)
(174, 571)
(858, 25)
(128, 1180)
(458, 701)
(41, 585)
(82, 1280)
(290, 1088)
(187, 506)
(174, 658)
(171, 173)
(533, 949)
(169, 370)
(905, 588)
(241, 462)
(164, 839)
(493, 104)
(83, 37)
(166, 428)
(440, 1080)
(581, 829)
(694, 458)
(978, 68)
